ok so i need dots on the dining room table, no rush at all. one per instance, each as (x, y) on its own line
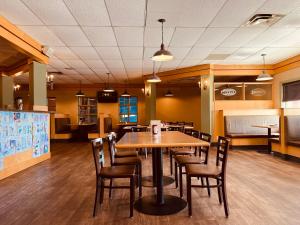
(159, 203)
(269, 130)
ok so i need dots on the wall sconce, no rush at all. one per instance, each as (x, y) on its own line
(205, 85)
(50, 82)
(199, 84)
(17, 87)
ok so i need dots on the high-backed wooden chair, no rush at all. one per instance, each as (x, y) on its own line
(217, 172)
(182, 151)
(134, 161)
(114, 172)
(182, 160)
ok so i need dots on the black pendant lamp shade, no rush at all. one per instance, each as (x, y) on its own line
(80, 93)
(125, 94)
(169, 93)
(153, 78)
(108, 88)
(162, 54)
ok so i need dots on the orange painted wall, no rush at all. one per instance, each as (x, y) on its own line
(184, 106)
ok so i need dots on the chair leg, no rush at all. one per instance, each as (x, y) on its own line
(180, 181)
(202, 182)
(132, 188)
(140, 180)
(225, 197)
(171, 163)
(219, 192)
(101, 191)
(189, 194)
(176, 174)
(96, 199)
(146, 153)
(110, 187)
(208, 188)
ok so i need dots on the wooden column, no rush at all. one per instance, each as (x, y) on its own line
(207, 93)
(150, 102)
(6, 92)
(38, 86)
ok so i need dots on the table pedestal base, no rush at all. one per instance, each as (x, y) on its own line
(148, 205)
(148, 181)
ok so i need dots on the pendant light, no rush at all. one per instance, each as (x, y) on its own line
(154, 78)
(80, 93)
(264, 76)
(108, 88)
(162, 54)
(169, 93)
(125, 93)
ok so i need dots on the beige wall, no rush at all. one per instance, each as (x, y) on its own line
(184, 106)
(279, 79)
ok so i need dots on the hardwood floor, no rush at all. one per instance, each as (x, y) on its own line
(262, 190)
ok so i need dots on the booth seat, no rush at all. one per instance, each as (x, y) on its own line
(242, 131)
(292, 130)
(60, 126)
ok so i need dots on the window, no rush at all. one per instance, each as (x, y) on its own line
(291, 95)
(128, 109)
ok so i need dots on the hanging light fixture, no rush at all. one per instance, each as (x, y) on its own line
(17, 87)
(154, 78)
(169, 93)
(125, 93)
(162, 54)
(108, 88)
(264, 76)
(50, 81)
(80, 93)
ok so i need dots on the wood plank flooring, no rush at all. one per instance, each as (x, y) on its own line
(262, 190)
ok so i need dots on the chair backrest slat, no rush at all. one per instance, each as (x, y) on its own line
(204, 149)
(98, 154)
(222, 153)
(111, 138)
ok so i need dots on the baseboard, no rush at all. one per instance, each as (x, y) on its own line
(60, 140)
(287, 157)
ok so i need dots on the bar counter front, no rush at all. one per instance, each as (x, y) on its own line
(24, 140)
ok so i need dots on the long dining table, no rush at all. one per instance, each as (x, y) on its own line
(159, 204)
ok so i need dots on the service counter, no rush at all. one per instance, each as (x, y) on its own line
(24, 140)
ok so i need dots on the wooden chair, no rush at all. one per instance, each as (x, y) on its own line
(182, 160)
(141, 129)
(123, 153)
(125, 161)
(113, 172)
(217, 172)
(182, 151)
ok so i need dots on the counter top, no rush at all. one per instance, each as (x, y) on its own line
(31, 111)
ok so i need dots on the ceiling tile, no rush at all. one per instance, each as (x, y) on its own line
(64, 53)
(153, 36)
(68, 71)
(268, 37)
(131, 52)
(234, 13)
(100, 71)
(212, 37)
(85, 71)
(16, 12)
(85, 52)
(189, 62)
(71, 35)
(288, 41)
(94, 63)
(178, 53)
(223, 50)
(114, 64)
(57, 63)
(290, 20)
(53, 12)
(241, 36)
(109, 52)
(170, 65)
(243, 53)
(279, 6)
(100, 36)
(185, 37)
(149, 64)
(198, 53)
(129, 36)
(124, 13)
(76, 63)
(133, 63)
(43, 35)
(89, 12)
(148, 53)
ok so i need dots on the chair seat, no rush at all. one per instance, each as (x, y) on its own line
(203, 170)
(183, 160)
(128, 153)
(127, 161)
(182, 151)
(117, 172)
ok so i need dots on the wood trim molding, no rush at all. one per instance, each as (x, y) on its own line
(287, 64)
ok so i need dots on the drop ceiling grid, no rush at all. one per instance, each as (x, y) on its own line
(79, 15)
